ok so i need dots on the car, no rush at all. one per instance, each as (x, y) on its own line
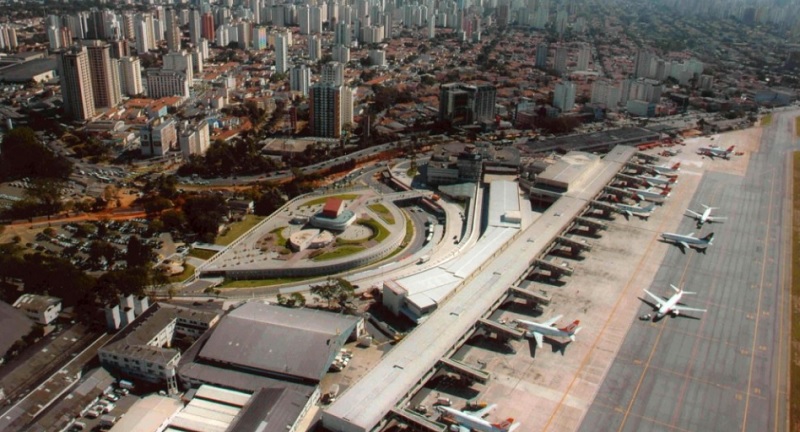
(92, 414)
(112, 397)
(108, 408)
(122, 391)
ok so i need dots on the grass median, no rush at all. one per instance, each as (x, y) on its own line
(237, 229)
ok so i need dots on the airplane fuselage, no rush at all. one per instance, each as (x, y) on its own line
(469, 421)
(692, 241)
(650, 195)
(669, 305)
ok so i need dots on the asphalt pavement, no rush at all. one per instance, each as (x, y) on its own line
(726, 369)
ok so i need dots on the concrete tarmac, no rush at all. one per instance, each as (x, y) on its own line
(726, 369)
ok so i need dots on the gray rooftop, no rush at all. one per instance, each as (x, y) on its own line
(270, 410)
(591, 142)
(15, 325)
(277, 340)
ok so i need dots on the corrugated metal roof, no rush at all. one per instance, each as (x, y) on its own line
(279, 340)
(230, 397)
(148, 414)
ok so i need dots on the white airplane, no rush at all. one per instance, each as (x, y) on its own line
(474, 421)
(713, 152)
(670, 305)
(685, 241)
(635, 210)
(666, 170)
(539, 330)
(705, 216)
(660, 181)
(656, 196)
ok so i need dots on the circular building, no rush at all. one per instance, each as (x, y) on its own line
(333, 216)
(310, 239)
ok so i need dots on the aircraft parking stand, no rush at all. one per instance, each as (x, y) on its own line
(729, 369)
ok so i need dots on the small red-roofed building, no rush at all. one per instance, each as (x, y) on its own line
(333, 207)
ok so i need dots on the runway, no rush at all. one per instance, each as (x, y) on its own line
(727, 370)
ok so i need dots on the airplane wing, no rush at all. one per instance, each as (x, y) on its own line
(655, 297)
(463, 429)
(551, 321)
(684, 245)
(539, 339)
(686, 309)
(483, 411)
(693, 214)
(717, 219)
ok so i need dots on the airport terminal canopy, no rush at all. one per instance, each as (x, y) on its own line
(298, 344)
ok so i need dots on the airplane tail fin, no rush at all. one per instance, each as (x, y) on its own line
(676, 289)
(676, 166)
(730, 149)
(709, 238)
(571, 328)
(672, 180)
(666, 191)
(505, 425)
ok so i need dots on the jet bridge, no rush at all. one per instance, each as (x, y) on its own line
(541, 297)
(575, 245)
(647, 157)
(592, 225)
(417, 420)
(464, 370)
(630, 178)
(617, 191)
(500, 329)
(562, 269)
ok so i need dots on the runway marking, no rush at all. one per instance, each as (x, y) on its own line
(652, 354)
(695, 378)
(621, 296)
(758, 305)
(645, 418)
(782, 308)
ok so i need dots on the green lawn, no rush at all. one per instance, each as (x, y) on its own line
(409, 231)
(188, 270)
(383, 212)
(794, 373)
(258, 282)
(316, 201)
(203, 254)
(339, 252)
(379, 232)
(280, 240)
(766, 120)
(237, 229)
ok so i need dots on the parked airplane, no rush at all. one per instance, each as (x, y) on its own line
(705, 216)
(539, 330)
(474, 421)
(656, 196)
(660, 181)
(713, 152)
(671, 305)
(635, 210)
(685, 241)
(666, 170)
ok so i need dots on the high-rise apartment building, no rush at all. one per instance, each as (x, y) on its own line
(207, 26)
(281, 53)
(76, 83)
(643, 67)
(105, 75)
(564, 96)
(584, 55)
(541, 55)
(314, 47)
(165, 83)
(300, 79)
(330, 109)
(195, 30)
(180, 62)
(461, 103)
(333, 72)
(560, 61)
(130, 72)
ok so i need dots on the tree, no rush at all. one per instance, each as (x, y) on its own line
(204, 214)
(101, 249)
(173, 220)
(338, 289)
(138, 254)
(270, 200)
(23, 155)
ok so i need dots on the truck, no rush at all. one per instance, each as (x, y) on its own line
(125, 384)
